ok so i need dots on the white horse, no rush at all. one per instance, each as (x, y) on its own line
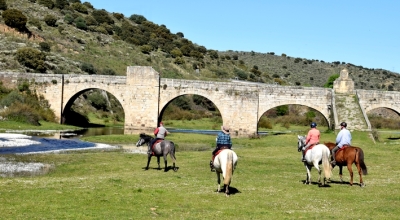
(225, 163)
(315, 156)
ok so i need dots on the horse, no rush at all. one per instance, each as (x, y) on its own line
(346, 157)
(314, 156)
(162, 148)
(225, 162)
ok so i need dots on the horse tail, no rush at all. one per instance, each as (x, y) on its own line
(360, 156)
(172, 151)
(326, 164)
(229, 168)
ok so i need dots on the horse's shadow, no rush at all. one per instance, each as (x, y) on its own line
(168, 168)
(232, 190)
(316, 183)
(343, 182)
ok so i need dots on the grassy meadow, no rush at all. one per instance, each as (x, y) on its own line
(267, 183)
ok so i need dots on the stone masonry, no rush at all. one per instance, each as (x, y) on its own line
(144, 96)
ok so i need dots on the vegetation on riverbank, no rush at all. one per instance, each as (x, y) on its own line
(268, 183)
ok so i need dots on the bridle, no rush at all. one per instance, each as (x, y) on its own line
(300, 144)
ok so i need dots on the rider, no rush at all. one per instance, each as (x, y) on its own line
(312, 138)
(342, 139)
(223, 141)
(160, 134)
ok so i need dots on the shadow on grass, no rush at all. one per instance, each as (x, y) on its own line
(316, 183)
(232, 190)
(162, 168)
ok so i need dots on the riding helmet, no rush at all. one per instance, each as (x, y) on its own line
(313, 124)
(343, 124)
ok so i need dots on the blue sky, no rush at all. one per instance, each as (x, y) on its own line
(364, 33)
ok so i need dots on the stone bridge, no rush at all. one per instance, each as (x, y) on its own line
(144, 96)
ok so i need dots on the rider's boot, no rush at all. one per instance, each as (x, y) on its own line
(212, 166)
(303, 159)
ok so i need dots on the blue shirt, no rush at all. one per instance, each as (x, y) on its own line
(224, 139)
(343, 138)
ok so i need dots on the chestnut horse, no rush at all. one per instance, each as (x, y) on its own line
(346, 157)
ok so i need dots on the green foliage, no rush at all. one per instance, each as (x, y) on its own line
(264, 122)
(47, 3)
(176, 52)
(14, 18)
(50, 20)
(69, 18)
(102, 16)
(80, 23)
(44, 46)
(79, 7)
(3, 5)
(31, 58)
(61, 4)
(282, 110)
(180, 34)
(138, 19)
(331, 79)
(118, 16)
(35, 22)
(10, 98)
(213, 54)
(89, 68)
(97, 100)
(108, 71)
(179, 60)
(242, 75)
(146, 49)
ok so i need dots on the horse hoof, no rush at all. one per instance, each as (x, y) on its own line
(362, 185)
(175, 169)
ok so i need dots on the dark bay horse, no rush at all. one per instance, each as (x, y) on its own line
(162, 148)
(347, 157)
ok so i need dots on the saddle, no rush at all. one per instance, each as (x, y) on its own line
(309, 148)
(152, 147)
(219, 151)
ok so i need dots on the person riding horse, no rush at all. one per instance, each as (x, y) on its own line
(223, 142)
(312, 138)
(342, 139)
(160, 134)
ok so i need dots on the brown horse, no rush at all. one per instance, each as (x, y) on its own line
(347, 157)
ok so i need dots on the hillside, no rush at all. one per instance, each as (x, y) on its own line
(74, 37)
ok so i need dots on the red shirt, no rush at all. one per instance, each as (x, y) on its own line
(313, 136)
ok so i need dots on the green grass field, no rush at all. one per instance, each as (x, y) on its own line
(267, 184)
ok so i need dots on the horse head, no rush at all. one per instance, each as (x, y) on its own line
(142, 139)
(300, 142)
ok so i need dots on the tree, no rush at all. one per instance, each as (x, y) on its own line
(180, 34)
(101, 16)
(14, 18)
(48, 3)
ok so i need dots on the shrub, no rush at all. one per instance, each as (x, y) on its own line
(12, 97)
(101, 16)
(176, 52)
(138, 19)
(118, 16)
(61, 4)
(146, 49)
(31, 58)
(50, 20)
(90, 20)
(3, 5)
(88, 5)
(14, 18)
(80, 23)
(110, 72)
(89, 68)
(179, 60)
(35, 22)
(21, 112)
(79, 7)
(44, 46)
(98, 101)
(47, 3)
(69, 18)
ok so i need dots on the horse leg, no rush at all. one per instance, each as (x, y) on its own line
(165, 163)
(341, 173)
(360, 173)
(148, 161)
(218, 181)
(158, 162)
(319, 172)
(226, 190)
(308, 177)
(349, 167)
